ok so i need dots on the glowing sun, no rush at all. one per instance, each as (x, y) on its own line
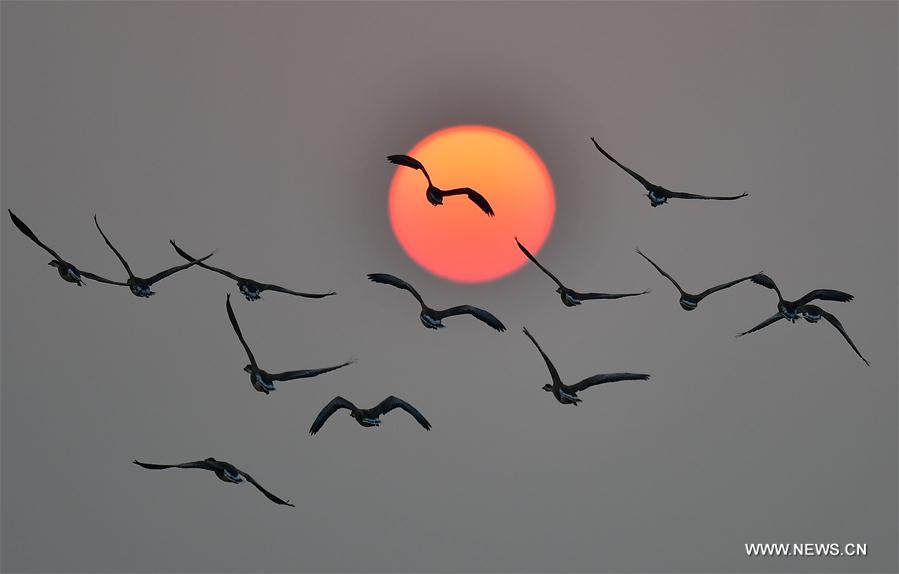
(456, 240)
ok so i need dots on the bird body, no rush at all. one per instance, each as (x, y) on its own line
(434, 194)
(790, 309)
(367, 417)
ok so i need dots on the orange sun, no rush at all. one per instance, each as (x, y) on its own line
(457, 240)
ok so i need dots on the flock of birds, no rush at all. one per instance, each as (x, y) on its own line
(566, 394)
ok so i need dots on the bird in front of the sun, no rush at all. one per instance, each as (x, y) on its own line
(66, 270)
(567, 394)
(656, 193)
(689, 301)
(570, 297)
(367, 417)
(433, 318)
(262, 380)
(434, 194)
(140, 286)
(249, 288)
(226, 472)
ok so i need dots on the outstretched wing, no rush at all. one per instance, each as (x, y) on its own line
(409, 161)
(30, 234)
(608, 378)
(557, 381)
(270, 287)
(306, 373)
(717, 288)
(772, 319)
(234, 324)
(474, 196)
(475, 312)
(825, 295)
(588, 296)
(839, 327)
(388, 279)
(163, 274)
(392, 402)
(684, 195)
(643, 181)
(335, 405)
(267, 494)
(659, 269)
(537, 263)
(99, 279)
(200, 263)
(114, 250)
(196, 464)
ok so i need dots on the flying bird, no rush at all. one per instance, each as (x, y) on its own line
(433, 318)
(656, 193)
(262, 380)
(689, 301)
(250, 289)
(140, 286)
(570, 297)
(567, 394)
(225, 472)
(790, 309)
(434, 194)
(367, 417)
(812, 314)
(65, 269)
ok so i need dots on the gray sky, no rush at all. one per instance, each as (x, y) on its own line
(261, 130)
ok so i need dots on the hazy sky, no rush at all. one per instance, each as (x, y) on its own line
(261, 130)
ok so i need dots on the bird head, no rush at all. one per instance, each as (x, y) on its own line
(54, 263)
(547, 387)
(559, 290)
(248, 369)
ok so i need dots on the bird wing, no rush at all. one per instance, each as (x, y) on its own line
(30, 234)
(537, 263)
(270, 287)
(475, 312)
(716, 288)
(825, 295)
(392, 402)
(336, 404)
(772, 319)
(172, 270)
(409, 161)
(608, 378)
(101, 279)
(196, 464)
(557, 381)
(631, 172)
(306, 373)
(588, 296)
(234, 324)
(114, 250)
(388, 279)
(474, 196)
(839, 327)
(766, 282)
(267, 494)
(659, 269)
(199, 262)
(684, 195)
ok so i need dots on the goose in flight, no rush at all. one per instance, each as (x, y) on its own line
(567, 394)
(812, 314)
(689, 301)
(262, 380)
(250, 289)
(790, 309)
(434, 194)
(367, 417)
(140, 286)
(570, 297)
(433, 318)
(65, 269)
(225, 472)
(656, 193)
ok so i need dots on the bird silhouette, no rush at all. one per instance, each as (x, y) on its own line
(225, 472)
(367, 417)
(656, 193)
(790, 309)
(434, 194)
(567, 394)
(262, 380)
(433, 318)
